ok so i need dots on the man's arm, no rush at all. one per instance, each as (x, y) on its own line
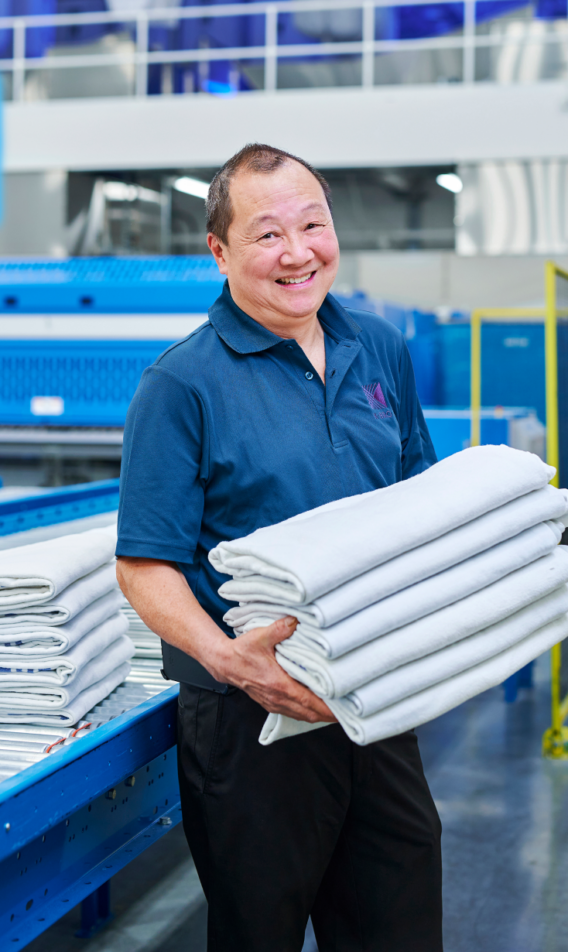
(159, 592)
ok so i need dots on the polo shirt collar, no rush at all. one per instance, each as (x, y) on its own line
(246, 336)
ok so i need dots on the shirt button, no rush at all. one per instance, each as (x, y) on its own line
(290, 346)
(309, 375)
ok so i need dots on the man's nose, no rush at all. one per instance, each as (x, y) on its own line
(297, 252)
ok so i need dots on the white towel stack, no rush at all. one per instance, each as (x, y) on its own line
(146, 643)
(63, 642)
(413, 598)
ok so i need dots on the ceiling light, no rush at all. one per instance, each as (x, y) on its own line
(451, 181)
(192, 186)
(119, 192)
(123, 192)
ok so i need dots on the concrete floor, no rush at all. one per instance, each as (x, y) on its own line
(505, 816)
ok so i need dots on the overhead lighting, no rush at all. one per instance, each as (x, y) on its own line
(451, 181)
(192, 186)
(123, 192)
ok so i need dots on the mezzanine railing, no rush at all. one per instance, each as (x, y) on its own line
(530, 37)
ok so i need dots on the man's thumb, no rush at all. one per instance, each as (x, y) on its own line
(280, 630)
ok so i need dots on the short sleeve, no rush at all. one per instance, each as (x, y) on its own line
(164, 470)
(418, 451)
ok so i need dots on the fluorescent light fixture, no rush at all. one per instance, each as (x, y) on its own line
(451, 181)
(123, 192)
(192, 186)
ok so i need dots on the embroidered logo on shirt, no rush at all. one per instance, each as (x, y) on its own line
(376, 400)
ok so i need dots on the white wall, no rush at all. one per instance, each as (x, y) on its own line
(444, 279)
(34, 214)
(406, 125)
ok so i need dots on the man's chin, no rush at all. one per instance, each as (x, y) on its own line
(300, 304)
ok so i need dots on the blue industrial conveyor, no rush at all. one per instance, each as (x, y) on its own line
(77, 805)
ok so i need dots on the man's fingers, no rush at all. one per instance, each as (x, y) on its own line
(297, 701)
(267, 683)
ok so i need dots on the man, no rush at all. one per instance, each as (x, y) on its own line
(258, 415)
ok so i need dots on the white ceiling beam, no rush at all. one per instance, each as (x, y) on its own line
(403, 125)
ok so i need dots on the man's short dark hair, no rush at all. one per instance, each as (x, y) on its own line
(254, 157)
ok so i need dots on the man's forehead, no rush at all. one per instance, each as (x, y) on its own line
(262, 187)
(261, 192)
(302, 208)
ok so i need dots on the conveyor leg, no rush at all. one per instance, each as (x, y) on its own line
(95, 911)
(526, 675)
(511, 686)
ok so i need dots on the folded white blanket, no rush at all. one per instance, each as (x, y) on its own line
(24, 641)
(421, 674)
(421, 599)
(410, 567)
(76, 709)
(42, 697)
(300, 657)
(64, 606)
(431, 703)
(323, 548)
(34, 574)
(146, 643)
(34, 670)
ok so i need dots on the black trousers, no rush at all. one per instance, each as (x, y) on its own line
(311, 825)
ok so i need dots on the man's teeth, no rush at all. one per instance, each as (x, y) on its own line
(305, 277)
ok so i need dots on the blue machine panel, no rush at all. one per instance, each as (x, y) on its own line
(177, 284)
(95, 380)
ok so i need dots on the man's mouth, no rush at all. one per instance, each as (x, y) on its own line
(303, 279)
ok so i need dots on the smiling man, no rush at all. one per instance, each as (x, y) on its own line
(284, 401)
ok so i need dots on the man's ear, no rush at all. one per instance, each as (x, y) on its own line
(217, 249)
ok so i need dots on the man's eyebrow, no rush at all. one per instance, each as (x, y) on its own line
(263, 219)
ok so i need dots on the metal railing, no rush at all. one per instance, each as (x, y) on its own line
(140, 58)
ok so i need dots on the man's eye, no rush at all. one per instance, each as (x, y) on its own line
(269, 234)
(314, 224)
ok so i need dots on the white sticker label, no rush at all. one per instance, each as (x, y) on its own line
(47, 406)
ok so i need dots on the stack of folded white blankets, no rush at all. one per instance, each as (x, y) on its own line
(146, 643)
(63, 642)
(413, 598)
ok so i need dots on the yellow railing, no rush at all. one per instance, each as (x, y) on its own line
(555, 741)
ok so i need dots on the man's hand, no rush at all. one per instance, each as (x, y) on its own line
(249, 662)
(158, 591)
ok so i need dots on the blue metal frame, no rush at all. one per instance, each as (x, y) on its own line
(62, 505)
(71, 821)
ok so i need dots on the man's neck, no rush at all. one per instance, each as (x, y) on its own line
(306, 331)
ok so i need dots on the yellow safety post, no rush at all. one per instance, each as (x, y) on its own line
(555, 739)
(476, 318)
(551, 369)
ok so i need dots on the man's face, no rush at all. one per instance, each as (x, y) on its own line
(282, 253)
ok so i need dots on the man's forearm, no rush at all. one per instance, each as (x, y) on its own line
(159, 592)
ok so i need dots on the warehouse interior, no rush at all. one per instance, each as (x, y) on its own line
(442, 130)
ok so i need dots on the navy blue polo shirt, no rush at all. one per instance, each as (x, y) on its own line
(232, 429)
